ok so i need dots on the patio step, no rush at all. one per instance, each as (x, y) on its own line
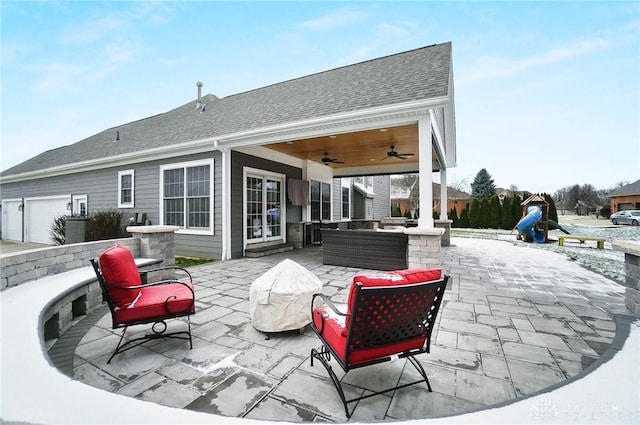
(267, 250)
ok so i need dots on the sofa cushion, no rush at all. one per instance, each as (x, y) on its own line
(119, 269)
(158, 302)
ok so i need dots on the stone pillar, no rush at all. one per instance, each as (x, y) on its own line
(156, 242)
(631, 251)
(446, 236)
(423, 250)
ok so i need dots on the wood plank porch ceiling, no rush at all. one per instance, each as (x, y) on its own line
(357, 149)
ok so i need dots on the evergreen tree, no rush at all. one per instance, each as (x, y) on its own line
(553, 212)
(483, 186)
(516, 210)
(495, 213)
(464, 218)
(505, 216)
(453, 216)
(475, 214)
(485, 212)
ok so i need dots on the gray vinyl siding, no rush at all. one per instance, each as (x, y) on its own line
(382, 199)
(101, 188)
(238, 162)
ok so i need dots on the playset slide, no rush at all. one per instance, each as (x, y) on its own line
(526, 225)
(555, 225)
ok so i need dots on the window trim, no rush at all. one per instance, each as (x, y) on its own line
(184, 165)
(345, 183)
(330, 199)
(133, 189)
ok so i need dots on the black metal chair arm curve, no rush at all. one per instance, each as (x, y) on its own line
(328, 302)
(158, 269)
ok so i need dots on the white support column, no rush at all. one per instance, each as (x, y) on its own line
(444, 199)
(425, 221)
(226, 203)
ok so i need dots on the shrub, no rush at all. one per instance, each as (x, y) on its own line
(109, 224)
(57, 231)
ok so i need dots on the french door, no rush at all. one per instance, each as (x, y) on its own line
(263, 207)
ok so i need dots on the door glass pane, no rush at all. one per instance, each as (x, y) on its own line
(326, 201)
(273, 209)
(254, 208)
(315, 201)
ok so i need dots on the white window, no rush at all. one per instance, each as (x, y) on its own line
(79, 205)
(126, 189)
(186, 196)
(345, 197)
(320, 200)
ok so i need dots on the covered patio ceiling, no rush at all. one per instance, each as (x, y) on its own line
(355, 150)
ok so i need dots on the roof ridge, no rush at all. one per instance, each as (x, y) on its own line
(335, 69)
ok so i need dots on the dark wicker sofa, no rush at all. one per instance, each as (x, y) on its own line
(366, 249)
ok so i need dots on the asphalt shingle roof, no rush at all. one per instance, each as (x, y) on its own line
(418, 74)
(630, 189)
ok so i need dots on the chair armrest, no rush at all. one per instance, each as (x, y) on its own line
(158, 269)
(158, 283)
(328, 302)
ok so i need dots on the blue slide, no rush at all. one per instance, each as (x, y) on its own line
(527, 223)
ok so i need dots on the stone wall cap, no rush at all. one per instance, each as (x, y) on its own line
(446, 221)
(432, 231)
(628, 247)
(152, 229)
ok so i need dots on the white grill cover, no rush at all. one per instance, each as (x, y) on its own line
(280, 299)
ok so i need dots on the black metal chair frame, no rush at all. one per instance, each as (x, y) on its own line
(366, 333)
(159, 326)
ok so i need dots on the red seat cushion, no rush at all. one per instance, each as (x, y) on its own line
(158, 302)
(119, 268)
(335, 334)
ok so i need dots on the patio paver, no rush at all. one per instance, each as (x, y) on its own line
(514, 321)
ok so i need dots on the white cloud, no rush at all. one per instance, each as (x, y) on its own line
(497, 67)
(57, 77)
(339, 18)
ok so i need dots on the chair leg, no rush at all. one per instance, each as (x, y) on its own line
(420, 370)
(157, 334)
(117, 350)
(324, 356)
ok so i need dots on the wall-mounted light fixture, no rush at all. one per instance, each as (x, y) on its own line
(20, 207)
(69, 206)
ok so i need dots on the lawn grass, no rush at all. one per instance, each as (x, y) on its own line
(191, 261)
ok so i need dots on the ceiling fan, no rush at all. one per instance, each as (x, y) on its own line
(393, 154)
(326, 160)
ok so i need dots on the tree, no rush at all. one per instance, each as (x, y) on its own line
(553, 212)
(464, 218)
(505, 216)
(453, 216)
(483, 186)
(485, 212)
(475, 214)
(516, 210)
(495, 212)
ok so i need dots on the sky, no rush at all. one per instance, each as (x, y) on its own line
(547, 94)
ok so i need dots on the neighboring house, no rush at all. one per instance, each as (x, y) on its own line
(252, 169)
(625, 197)
(401, 203)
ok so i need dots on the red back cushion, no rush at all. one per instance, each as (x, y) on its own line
(119, 268)
(389, 278)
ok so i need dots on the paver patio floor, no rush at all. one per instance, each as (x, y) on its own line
(514, 321)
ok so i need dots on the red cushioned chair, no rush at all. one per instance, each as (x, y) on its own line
(389, 315)
(133, 302)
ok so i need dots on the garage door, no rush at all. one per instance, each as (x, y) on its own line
(12, 220)
(40, 214)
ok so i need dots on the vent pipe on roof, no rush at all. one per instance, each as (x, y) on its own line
(199, 84)
(199, 104)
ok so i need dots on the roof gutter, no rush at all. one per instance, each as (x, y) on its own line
(387, 115)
